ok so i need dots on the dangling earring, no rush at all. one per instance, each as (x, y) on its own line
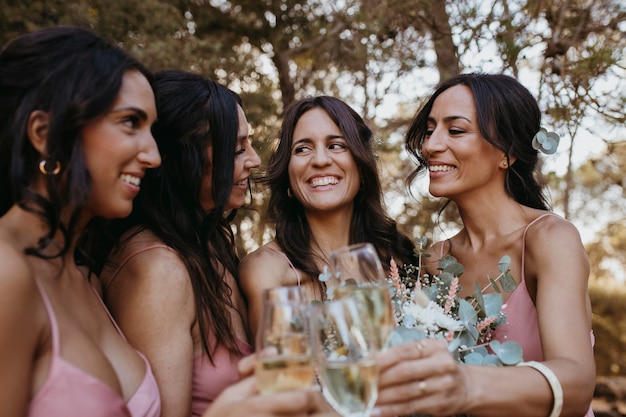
(289, 193)
(43, 167)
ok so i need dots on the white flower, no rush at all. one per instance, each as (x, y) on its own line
(431, 318)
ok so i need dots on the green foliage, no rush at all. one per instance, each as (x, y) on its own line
(429, 306)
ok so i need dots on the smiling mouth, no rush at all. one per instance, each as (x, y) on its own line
(440, 168)
(130, 179)
(322, 181)
(242, 183)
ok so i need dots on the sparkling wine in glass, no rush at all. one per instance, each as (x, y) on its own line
(284, 360)
(345, 350)
(356, 272)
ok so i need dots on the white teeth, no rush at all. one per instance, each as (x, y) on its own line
(440, 168)
(319, 182)
(131, 179)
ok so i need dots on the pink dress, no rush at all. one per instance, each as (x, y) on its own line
(208, 380)
(522, 325)
(69, 391)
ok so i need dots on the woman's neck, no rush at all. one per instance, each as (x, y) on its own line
(485, 222)
(330, 230)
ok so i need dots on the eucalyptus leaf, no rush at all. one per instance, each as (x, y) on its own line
(454, 268)
(504, 264)
(478, 295)
(491, 360)
(494, 285)
(446, 278)
(508, 282)
(446, 261)
(493, 304)
(509, 352)
(473, 358)
(467, 314)
(401, 335)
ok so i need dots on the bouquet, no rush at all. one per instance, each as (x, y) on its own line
(428, 306)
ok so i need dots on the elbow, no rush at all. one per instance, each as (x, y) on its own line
(579, 400)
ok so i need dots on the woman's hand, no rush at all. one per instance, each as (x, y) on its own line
(420, 377)
(243, 399)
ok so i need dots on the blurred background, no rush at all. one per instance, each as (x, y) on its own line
(383, 57)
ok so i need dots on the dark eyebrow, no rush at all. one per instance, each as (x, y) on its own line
(307, 140)
(335, 136)
(142, 114)
(450, 119)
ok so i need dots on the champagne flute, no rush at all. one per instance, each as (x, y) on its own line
(345, 349)
(283, 349)
(356, 272)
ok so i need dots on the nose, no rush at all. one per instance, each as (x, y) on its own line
(150, 155)
(253, 160)
(433, 143)
(321, 156)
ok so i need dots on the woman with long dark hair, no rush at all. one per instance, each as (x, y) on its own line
(75, 142)
(479, 137)
(171, 278)
(325, 194)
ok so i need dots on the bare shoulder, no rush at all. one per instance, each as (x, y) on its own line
(552, 231)
(16, 275)
(150, 274)
(20, 300)
(266, 267)
(554, 249)
(267, 257)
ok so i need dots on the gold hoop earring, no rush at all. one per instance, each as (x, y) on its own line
(289, 193)
(43, 167)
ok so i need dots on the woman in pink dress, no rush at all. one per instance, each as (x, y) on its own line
(478, 137)
(75, 142)
(170, 279)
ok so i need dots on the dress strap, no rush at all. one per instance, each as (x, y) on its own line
(443, 246)
(523, 277)
(54, 326)
(289, 261)
(129, 257)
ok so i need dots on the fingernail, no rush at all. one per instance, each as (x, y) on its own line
(376, 412)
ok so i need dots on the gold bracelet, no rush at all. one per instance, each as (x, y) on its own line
(555, 385)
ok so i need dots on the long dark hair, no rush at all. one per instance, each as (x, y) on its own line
(74, 76)
(508, 118)
(195, 114)
(369, 222)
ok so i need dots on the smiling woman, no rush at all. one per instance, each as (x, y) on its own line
(177, 246)
(325, 194)
(75, 140)
(475, 138)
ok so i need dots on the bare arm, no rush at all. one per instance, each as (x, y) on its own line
(22, 316)
(555, 259)
(258, 271)
(152, 301)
